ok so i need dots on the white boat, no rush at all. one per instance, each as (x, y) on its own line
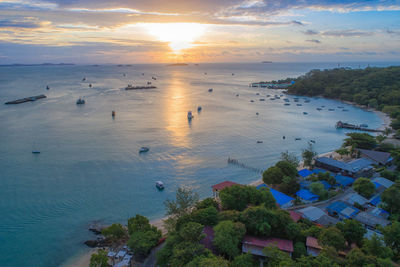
(190, 115)
(35, 152)
(160, 185)
(144, 149)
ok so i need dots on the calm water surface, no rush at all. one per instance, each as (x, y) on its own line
(89, 167)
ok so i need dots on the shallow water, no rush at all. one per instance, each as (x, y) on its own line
(89, 167)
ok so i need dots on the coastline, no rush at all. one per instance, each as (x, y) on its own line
(83, 260)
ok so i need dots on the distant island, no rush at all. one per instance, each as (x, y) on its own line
(177, 64)
(42, 64)
(266, 62)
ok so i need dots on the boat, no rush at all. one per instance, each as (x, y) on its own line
(210, 90)
(130, 87)
(312, 141)
(160, 185)
(364, 125)
(90, 85)
(189, 115)
(26, 99)
(283, 137)
(35, 152)
(257, 93)
(237, 95)
(340, 107)
(252, 100)
(299, 105)
(319, 108)
(331, 109)
(113, 113)
(345, 110)
(199, 108)
(80, 101)
(297, 138)
(262, 99)
(287, 104)
(257, 113)
(305, 113)
(322, 106)
(307, 101)
(272, 99)
(144, 149)
(259, 142)
(47, 87)
(84, 79)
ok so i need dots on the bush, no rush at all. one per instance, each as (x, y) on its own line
(364, 187)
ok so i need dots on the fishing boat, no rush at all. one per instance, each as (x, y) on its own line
(113, 113)
(312, 141)
(262, 99)
(237, 95)
(340, 107)
(90, 85)
(319, 108)
(307, 101)
(297, 138)
(257, 113)
(144, 149)
(287, 104)
(160, 185)
(345, 110)
(190, 115)
(331, 109)
(259, 142)
(80, 101)
(35, 152)
(210, 90)
(305, 113)
(199, 108)
(84, 79)
(251, 101)
(47, 87)
(299, 105)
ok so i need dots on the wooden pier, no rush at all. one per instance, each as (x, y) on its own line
(345, 125)
(243, 165)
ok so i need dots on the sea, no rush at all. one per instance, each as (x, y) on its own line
(89, 168)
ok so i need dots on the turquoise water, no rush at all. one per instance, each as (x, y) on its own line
(89, 168)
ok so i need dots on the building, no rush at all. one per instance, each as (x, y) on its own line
(284, 201)
(312, 213)
(370, 220)
(342, 210)
(255, 245)
(353, 198)
(378, 157)
(355, 168)
(344, 181)
(375, 200)
(218, 187)
(306, 196)
(313, 248)
(304, 173)
(382, 182)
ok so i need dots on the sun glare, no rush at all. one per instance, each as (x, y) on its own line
(178, 35)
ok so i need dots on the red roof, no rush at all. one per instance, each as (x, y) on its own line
(223, 185)
(282, 244)
(312, 242)
(295, 215)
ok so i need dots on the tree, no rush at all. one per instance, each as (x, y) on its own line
(114, 232)
(227, 237)
(245, 260)
(391, 199)
(364, 187)
(342, 151)
(360, 140)
(287, 168)
(207, 216)
(318, 189)
(273, 175)
(293, 231)
(357, 258)
(391, 236)
(208, 261)
(269, 200)
(238, 197)
(375, 247)
(138, 223)
(143, 241)
(380, 138)
(277, 257)
(332, 236)
(352, 230)
(290, 157)
(299, 250)
(290, 185)
(207, 202)
(308, 155)
(192, 232)
(258, 220)
(99, 259)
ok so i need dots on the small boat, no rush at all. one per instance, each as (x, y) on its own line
(190, 115)
(233, 74)
(160, 185)
(35, 152)
(322, 106)
(305, 113)
(84, 79)
(113, 113)
(340, 107)
(299, 105)
(237, 95)
(148, 83)
(80, 101)
(296, 100)
(345, 110)
(331, 109)
(257, 113)
(272, 99)
(90, 85)
(259, 142)
(199, 108)
(262, 99)
(297, 138)
(312, 141)
(257, 93)
(268, 95)
(307, 101)
(319, 108)
(124, 75)
(283, 137)
(210, 90)
(364, 125)
(252, 100)
(144, 149)
(47, 87)
(287, 104)
(205, 73)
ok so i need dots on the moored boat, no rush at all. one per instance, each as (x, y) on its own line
(160, 185)
(144, 149)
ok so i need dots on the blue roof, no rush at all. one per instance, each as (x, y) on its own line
(305, 184)
(353, 166)
(377, 185)
(325, 184)
(280, 197)
(359, 164)
(306, 195)
(316, 171)
(344, 180)
(376, 200)
(304, 172)
(343, 209)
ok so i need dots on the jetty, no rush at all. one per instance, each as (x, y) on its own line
(243, 165)
(26, 99)
(345, 125)
(130, 87)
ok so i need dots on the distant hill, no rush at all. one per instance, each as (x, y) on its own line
(373, 87)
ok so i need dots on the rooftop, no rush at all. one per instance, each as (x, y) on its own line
(312, 242)
(353, 166)
(355, 198)
(383, 182)
(280, 198)
(295, 215)
(375, 200)
(282, 244)
(304, 172)
(378, 156)
(370, 219)
(344, 180)
(223, 185)
(342, 209)
(307, 195)
(312, 213)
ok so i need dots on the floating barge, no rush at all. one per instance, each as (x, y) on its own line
(27, 99)
(130, 87)
(346, 125)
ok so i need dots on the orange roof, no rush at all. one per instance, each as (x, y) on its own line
(223, 185)
(312, 242)
(282, 244)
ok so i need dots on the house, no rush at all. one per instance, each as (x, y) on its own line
(355, 168)
(378, 157)
(284, 201)
(382, 182)
(353, 198)
(313, 248)
(255, 245)
(379, 212)
(304, 173)
(344, 181)
(370, 220)
(317, 171)
(375, 200)
(341, 210)
(218, 187)
(312, 213)
(306, 196)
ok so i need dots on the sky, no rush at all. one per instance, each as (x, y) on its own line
(175, 31)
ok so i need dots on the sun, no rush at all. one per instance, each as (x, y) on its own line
(179, 36)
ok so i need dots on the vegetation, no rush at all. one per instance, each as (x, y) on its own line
(318, 189)
(238, 197)
(143, 236)
(364, 187)
(352, 230)
(228, 236)
(114, 232)
(290, 157)
(283, 175)
(99, 259)
(308, 155)
(360, 140)
(391, 199)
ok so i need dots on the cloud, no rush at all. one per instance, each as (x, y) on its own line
(310, 32)
(346, 33)
(314, 41)
(27, 23)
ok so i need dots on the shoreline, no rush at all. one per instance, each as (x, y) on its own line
(83, 260)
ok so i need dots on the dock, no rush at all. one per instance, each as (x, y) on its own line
(345, 125)
(243, 165)
(26, 99)
(139, 87)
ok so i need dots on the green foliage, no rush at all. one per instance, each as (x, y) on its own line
(238, 197)
(375, 247)
(277, 257)
(207, 202)
(289, 185)
(290, 157)
(364, 187)
(138, 223)
(360, 140)
(391, 236)
(318, 189)
(245, 260)
(114, 232)
(227, 238)
(357, 258)
(287, 168)
(143, 241)
(207, 216)
(352, 230)
(208, 261)
(99, 259)
(391, 175)
(391, 199)
(308, 155)
(342, 151)
(299, 250)
(192, 232)
(258, 220)
(273, 175)
(229, 215)
(332, 236)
